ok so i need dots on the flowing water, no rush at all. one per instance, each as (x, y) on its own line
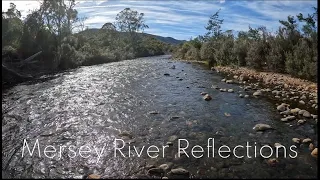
(91, 106)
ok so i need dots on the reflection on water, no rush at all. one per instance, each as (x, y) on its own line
(91, 106)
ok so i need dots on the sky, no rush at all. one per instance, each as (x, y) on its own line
(185, 19)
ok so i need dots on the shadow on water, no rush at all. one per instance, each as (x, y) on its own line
(135, 100)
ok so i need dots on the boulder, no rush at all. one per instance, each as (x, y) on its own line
(261, 127)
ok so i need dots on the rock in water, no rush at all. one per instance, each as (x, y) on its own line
(282, 107)
(289, 118)
(261, 127)
(204, 93)
(301, 121)
(230, 90)
(207, 97)
(296, 140)
(257, 93)
(307, 140)
(179, 171)
(155, 171)
(229, 81)
(314, 153)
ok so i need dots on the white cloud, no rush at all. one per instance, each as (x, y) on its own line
(185, 18)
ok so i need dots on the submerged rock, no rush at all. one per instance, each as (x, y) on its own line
(261, 127)
(179, 171)
(207, 97)
(229, 81)
(230, 90)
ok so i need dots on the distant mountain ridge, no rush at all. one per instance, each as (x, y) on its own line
(169, 40)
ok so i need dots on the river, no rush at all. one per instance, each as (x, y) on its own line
(91, 106)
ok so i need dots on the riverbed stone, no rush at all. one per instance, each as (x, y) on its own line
(241, 95)
(207, 97)
(223, 90)
(261, 127)
(296, 140)
(301, 121)
(311, 147)
(223, 80)
(172, 138)
(307, 140)
(229, 81)
(288, 118)
(295, 111)
(282, 107)
(166, 166)
(230, 90)
(302, 102)
(155, 171)
(257, 93)
(243, 77)
(246, 96)
(314, 153)
(179, 171)
(306, 114)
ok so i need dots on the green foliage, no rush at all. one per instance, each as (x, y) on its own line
(290, 50)
(49, 30)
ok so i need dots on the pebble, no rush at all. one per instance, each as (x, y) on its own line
(179, 171)
(311, 147)
(295, 111)
(246, 96)
(230, 90)
(207, 97)
(289, 118)
(307, 140)
(314, 153)
(277, 145)
(296, 140)
(282, 107)
(301, 121)
(306, 114)
(229, 81)
(261, 127)
(155, 171)
(257, 93)
(223, 90)
(241, 95)
(302, 102)
(223, 80)
(172, 138)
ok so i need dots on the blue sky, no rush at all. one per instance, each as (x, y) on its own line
(182, 19)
